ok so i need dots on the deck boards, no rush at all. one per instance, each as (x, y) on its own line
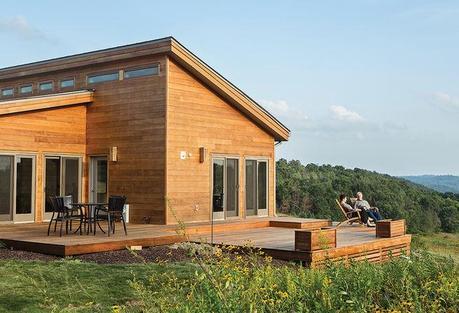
(353, 242)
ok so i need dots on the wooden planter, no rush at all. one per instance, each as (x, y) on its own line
(318, 239)
(390, 228)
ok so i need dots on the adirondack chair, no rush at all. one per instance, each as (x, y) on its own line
(349, 216)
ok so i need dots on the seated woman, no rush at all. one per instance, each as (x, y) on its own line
(363, 205)
(348, 208)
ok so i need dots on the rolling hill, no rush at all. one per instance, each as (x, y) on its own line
(441, 183)
(310, 191)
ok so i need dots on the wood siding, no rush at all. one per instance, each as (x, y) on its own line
(54, 131)
(197, 117)
(128, 114)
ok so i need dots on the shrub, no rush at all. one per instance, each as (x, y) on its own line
(239, 282)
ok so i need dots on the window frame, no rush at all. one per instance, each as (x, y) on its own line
(23, 86)
(67, 79)
(142, 67)
(7, 88)
(110, 72)
(46, 90)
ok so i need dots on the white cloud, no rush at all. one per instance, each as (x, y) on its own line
(445, 100)
(291, 117)
(342, 114)
(19, 26)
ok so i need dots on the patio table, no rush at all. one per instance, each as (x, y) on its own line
(88, 210)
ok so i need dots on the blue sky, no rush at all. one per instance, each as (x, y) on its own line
(369, 84)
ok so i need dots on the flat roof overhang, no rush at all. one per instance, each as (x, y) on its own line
(50, 101)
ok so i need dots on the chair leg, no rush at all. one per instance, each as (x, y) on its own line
(55, 223)
(50, 222)
(124, 225)
(109, 224)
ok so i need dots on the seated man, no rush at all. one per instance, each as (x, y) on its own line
(363, 205)
(348, 208)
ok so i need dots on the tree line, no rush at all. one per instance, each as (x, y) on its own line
(310, 191)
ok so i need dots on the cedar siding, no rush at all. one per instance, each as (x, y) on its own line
(197, 117)
(149, 119)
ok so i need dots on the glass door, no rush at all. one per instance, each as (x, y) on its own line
(218, 187)
(225, 188)
(256, 187)
(232, 187)
(52, 183)
(99, 180)
(24, 189)
(62, 178)
(6, 187)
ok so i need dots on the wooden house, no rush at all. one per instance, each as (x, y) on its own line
(150, 121)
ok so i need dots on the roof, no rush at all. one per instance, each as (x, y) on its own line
(171, 47)
(46, 102)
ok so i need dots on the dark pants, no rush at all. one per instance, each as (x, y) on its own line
(374, 214)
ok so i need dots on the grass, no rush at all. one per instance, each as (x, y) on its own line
(215, 282)
(72, 286)
(442, 244)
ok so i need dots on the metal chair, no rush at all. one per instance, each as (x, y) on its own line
(114, 210)
(63, 214)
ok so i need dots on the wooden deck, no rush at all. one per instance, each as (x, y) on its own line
(273, 235)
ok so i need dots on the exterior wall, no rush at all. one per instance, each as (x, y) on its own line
(60, 131)
(128, 114)
(197, 117)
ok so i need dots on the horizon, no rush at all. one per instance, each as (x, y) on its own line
(361, 84)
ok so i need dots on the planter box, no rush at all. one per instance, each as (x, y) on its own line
(390, 228)
(318, 239)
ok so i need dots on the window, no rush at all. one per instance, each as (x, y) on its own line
(7, 92)
(26, 89)
(46, 86)
(100, 78)
(68, 83)
(147, 71)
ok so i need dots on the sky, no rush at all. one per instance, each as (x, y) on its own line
(368, 84)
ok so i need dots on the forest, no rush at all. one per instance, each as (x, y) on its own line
(310, 191)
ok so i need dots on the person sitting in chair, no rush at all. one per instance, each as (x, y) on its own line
(363, 205)
(349, 208)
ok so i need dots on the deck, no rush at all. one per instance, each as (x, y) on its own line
(274, 235)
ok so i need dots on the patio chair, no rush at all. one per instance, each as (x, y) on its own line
(114, 210)
(350, 217)
(63, 214)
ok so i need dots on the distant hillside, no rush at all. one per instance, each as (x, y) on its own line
(310, 191)
(441, 183)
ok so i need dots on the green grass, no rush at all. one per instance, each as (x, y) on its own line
(442, 244)
(218, 283)
(72, 286)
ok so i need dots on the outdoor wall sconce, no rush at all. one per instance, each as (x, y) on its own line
(202, 154)
(114, 154)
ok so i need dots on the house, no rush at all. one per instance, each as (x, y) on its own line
(150, 121)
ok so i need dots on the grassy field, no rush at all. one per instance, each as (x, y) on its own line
(441, 244)
(72, 286)
(218, 283)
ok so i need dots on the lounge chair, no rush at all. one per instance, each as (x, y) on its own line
(349, 216)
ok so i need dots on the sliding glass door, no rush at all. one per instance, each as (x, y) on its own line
(256, 187)
(225, 187)
(6, 187)
(62, 178)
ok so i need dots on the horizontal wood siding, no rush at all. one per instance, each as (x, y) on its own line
(197, 117)
(128, 114)
(60, 131)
